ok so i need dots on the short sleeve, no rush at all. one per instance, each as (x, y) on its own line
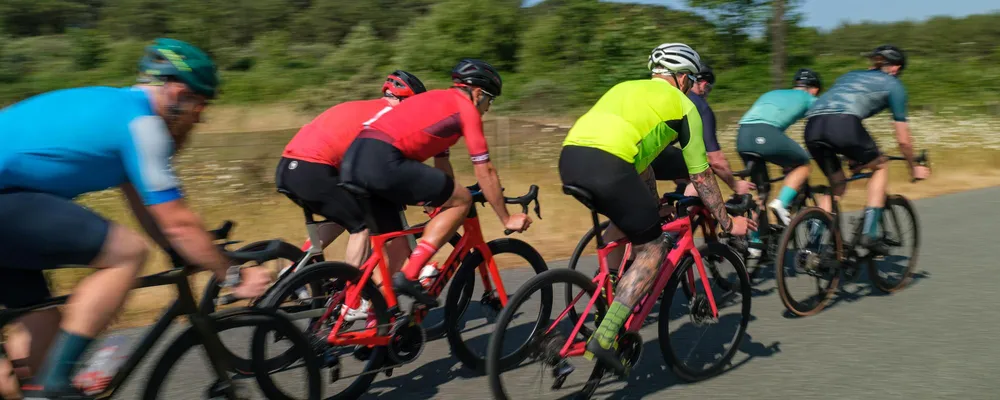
(694, 150)
(897, 101)
(475, 140)
(146, 155)
(708, 127)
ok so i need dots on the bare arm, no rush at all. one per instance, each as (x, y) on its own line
(720, 166)
(489, 181)
(905, 141)
(185, 231)
(143, 216)
(711, 196)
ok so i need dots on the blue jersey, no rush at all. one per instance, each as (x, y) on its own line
(75, 141)
(707, 122)
(779, 108)
(863, 94)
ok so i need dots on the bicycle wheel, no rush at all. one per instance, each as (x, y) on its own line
(471, 349)
(335, 276)
(543, 346)
(810, 247)
(261, 321)
(574, 264)
(901, 229)
(731, 292)
(287, 255)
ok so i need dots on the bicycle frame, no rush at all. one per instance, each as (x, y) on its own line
(472, 240)
(684, 245)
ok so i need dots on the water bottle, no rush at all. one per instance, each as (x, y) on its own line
(102, 366)
(428, 274)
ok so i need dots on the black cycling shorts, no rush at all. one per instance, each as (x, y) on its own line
(618, 191)
(393, 180)
(40, 231)
(831, 134)
(315, 187)
(670, 165)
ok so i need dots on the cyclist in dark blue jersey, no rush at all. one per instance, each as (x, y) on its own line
(59, 145)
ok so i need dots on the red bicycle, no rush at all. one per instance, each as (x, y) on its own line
(706, 294)
(389, 337)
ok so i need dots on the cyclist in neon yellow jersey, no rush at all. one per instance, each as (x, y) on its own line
(608, 152)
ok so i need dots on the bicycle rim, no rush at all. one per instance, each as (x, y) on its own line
(791, 262)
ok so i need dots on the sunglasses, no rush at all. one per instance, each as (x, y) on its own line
(490, 95)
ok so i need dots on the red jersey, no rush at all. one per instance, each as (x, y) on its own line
(326, 138)
(429, 123)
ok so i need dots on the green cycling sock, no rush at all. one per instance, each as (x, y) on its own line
(64, 355)
(754, 237)
(873, 215)
(787, 195)
(614, 319)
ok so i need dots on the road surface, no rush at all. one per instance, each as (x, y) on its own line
(935, 339)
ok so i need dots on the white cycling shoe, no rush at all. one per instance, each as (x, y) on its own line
(357, 314)
(780, 211)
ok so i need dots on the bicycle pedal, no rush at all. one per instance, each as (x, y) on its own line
(388, 373)
(335, 373)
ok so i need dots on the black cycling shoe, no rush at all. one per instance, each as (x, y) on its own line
(413, 289)
(876, 247)
(36, 392)
(609, 357)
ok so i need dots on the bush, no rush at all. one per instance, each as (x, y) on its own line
(89, 50)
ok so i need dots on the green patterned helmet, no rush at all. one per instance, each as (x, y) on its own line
(171, 58)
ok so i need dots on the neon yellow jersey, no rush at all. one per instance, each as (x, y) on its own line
(636, 120)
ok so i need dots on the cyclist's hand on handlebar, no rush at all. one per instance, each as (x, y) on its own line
(920, 172)
(742, 226)
(253, 283)
(518, 222)
(744, 187)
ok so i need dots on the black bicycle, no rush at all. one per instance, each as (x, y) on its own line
(813, 247)
(770, 233)
(205, 331)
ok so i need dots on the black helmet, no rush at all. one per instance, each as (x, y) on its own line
(808, 78)
(477, 73)
(891, 54)
(706, 74)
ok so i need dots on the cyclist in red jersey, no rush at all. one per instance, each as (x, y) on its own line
(387, 160)
(308, 169)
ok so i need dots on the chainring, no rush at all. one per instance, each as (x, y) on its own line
(406, 341)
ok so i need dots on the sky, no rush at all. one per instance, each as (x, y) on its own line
(827, 14)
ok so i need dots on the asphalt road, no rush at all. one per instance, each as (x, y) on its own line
(935, 339)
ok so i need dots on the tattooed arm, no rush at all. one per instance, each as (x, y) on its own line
(711, 196)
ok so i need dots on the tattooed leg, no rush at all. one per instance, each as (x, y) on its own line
(711, 196)
(636, 282)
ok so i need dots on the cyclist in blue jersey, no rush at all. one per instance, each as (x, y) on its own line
(762, 132)
(834, 127)
(59, 145)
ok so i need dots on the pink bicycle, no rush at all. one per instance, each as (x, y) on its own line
(707, 295)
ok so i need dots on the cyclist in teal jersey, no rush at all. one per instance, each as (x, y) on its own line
(762, 131)
(834, 127)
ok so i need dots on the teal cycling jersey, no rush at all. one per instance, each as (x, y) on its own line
(863, 94)
(779, 108)
(75, 141)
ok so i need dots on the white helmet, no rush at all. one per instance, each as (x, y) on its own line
(673, 58)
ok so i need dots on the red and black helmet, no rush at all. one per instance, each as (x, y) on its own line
(402, 84)
(478, 73)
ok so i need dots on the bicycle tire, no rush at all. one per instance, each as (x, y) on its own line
(827, 293)
(327, 271)
(239, 318)
(905, 206)
(679, 275)
(458, 300)
(574, 260)
(548, 279)
(286, 251)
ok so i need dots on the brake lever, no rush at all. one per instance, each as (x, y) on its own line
(524, 210)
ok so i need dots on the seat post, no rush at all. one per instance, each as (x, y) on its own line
(597, 229)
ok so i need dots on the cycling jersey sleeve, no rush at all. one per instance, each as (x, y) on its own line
(692, 142)
(146, 155)
(475, 139)
(708, 126)
(897, 102)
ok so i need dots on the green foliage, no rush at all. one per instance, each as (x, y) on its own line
(557, 56)
(89, 50)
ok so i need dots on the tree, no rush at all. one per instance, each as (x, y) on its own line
(778, 43)
(735, 21)
(455, 29)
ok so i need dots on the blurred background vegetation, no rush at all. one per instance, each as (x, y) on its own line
(556, 56)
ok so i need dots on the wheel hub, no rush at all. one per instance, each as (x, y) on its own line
(701, 310)
(491, 305)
